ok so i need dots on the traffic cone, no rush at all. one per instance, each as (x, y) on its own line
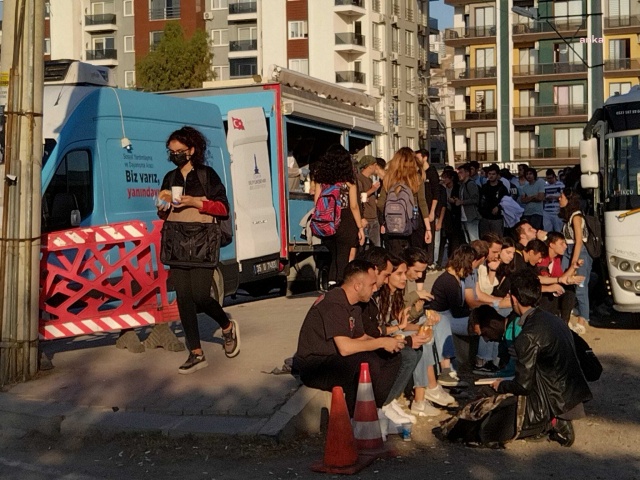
(340, 450)
(366, 426)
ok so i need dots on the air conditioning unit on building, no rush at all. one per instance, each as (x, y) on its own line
(394, 19)
(394, 92)
(394, 57)
(396, 129)
(381, 89)
(207, 15)
(536, 88)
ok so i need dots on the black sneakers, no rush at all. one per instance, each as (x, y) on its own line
(489, 369)
(562, 432)
(232, 340)
(194, 363)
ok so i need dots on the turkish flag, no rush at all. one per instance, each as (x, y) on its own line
(237, 123)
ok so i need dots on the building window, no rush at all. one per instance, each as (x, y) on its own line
(47, 46)
(567, 141)
(411, 143)
(299, 65)
(395, 40)
(568, 12)
(221, 72)
(377, 73)
(485, 101)
(619, 49)
(128, 44)
(408, 43)
(619, 8)
(485, 58)
(563, 54)
(411, 115)
(619, 87)
(243, 67)
(378, 32)
(130, 79)
(127, 8)
(485, 20)
(298, 29)
(154, 38)
(219, 4)
(395, 75)
(220, 37)
(410, 82)
(485, 146)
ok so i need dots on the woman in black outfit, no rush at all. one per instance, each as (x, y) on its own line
(336, 168)
(199, 203)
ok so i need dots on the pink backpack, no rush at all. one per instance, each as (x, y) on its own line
(326, 216)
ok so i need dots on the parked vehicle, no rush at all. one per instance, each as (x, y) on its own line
(610, 164)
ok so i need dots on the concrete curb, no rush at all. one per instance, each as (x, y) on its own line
(302, 413)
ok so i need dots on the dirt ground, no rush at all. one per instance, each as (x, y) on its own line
(607, 445)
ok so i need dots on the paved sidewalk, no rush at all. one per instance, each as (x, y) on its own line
(94, 385)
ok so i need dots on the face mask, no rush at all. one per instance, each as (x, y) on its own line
(179, 159)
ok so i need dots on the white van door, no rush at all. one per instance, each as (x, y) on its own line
(256, 229)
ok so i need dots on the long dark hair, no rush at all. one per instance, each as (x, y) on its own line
(573, 203)
(462, 260)
(505, 269)
(335, 166)
(191, 138)
(396, 301)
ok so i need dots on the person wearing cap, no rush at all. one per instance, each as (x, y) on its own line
(367, 190)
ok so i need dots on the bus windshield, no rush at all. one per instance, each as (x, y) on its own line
(623, 173)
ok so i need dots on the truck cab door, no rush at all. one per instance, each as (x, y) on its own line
(255, 216)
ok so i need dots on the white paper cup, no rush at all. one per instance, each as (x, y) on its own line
(363, 197)
(176, 194)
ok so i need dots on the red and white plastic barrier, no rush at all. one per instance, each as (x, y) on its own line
(101, 279)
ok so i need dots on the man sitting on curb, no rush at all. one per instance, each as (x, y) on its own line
(332, 344)
(548, 372)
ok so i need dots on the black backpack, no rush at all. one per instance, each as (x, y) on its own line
(593, 243)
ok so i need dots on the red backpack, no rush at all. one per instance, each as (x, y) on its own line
(326, 216)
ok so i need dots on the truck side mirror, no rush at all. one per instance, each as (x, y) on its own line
(589, 156)
(589, 180)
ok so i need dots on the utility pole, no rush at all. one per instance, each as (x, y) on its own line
(20, 188)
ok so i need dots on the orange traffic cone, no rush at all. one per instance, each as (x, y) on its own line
(366, 427)
(340, 451)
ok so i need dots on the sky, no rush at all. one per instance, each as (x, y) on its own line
(444, 14)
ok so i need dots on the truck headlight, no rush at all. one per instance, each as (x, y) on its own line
(624, 265)
(636, 267)
(638, 285)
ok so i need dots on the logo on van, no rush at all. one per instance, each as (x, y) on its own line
(237, 123)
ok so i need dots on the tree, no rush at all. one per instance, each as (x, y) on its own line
(176, 63)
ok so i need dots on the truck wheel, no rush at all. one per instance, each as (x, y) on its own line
(217, 286)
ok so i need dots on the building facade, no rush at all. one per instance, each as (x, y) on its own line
(377, 47)
(522, 90)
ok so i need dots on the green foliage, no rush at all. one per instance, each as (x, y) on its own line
(176, 63)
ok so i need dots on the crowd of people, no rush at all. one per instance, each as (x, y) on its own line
(503, 281)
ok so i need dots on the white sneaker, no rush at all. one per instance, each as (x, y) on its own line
(398, 409)
(439, 396)
(424, 409)
(394, 416)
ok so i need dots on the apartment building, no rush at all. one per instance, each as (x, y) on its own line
(377, 47)
(521, 91)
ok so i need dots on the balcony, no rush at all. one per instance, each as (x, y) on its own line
(168, 13)
(477, 156)
(434, 93)
(239, 11)
(559, 154)
(107, 57)
(460, 37)
(551, 71)
(622, 67)
(100, 23)
(352, 79)
(350, 8)
(466, 77)
(468, 118)
(350, 42)
(621, 25)
(241, 48)
(543, 30)
(545, 114)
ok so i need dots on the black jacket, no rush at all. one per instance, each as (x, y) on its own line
(547, 369)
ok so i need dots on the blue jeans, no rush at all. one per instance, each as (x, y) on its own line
(470, 229)
(410, 358)
(552, 222)
(443, 336)
(582, 292)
